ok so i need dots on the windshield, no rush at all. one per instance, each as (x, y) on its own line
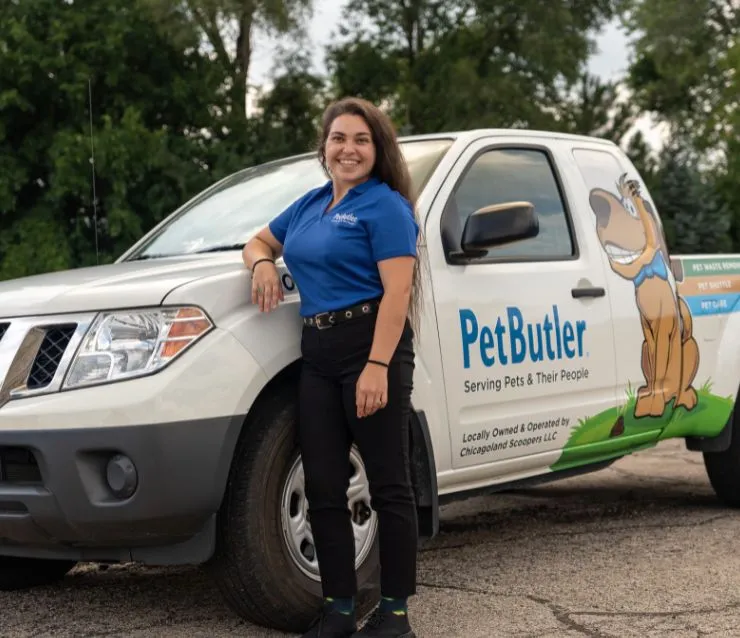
(227, 217)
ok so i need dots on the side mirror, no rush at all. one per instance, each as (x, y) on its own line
(497, 225)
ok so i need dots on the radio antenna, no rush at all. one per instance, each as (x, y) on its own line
(95, 196)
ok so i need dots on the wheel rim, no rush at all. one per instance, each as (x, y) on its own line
(296, 525)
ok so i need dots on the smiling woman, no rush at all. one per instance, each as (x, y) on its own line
(351, 246)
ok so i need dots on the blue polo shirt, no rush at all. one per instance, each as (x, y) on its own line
(332, 256)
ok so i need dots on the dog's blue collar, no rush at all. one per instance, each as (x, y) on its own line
(656, 268)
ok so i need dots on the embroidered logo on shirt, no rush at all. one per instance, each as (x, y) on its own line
(344, 218)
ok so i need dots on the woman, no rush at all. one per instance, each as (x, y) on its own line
(350, 246)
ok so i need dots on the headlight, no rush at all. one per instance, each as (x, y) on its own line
(124, 344)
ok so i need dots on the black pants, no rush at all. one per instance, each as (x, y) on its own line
(332, 362)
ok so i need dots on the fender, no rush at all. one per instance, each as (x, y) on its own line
(722, 441)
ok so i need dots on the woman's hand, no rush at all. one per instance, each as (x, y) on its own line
(266, 287)
(372, 390)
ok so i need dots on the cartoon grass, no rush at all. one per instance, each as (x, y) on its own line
(616, 431)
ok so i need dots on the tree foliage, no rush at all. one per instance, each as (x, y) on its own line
(155, 91)
(449, 64)
(147, 111)
(686, 72)
(226, 30)
(696, 218)
(686, 63)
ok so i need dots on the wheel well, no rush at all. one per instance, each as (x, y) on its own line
(424, 475)
(422, 465)
(722, 441)
(279, 384)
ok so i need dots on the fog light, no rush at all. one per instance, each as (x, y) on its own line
(122, 476)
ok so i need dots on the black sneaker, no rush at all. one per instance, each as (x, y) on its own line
(332, 624)
(386, 624)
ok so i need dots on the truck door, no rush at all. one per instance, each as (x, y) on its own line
(525, 331)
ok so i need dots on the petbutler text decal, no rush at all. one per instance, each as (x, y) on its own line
(513, 340)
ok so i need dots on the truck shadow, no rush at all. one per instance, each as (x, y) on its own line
(576, 507)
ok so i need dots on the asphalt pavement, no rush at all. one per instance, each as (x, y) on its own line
(641, 549)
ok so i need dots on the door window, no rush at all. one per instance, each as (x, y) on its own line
(509, 175)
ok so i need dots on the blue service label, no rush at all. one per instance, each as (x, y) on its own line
(512, 340)
(702, 305)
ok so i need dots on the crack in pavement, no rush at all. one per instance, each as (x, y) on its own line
(567, 618)
(563, 616)
(560, 614)
(703, 611)
(580, 532)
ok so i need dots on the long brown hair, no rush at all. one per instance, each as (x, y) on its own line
(390, 167)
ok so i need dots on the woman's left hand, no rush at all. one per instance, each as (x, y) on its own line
(372, 390)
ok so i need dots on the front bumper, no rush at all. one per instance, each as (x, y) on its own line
(72, 511)
(178, 428)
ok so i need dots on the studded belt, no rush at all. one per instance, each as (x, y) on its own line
(330, 319)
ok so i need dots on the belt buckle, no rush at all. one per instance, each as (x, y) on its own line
(317, 319)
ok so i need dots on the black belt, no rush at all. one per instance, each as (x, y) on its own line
(334, 317)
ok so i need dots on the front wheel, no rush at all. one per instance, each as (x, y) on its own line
(24, 573)
(265, 563)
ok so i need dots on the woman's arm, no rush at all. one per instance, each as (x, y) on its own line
(262, 246)
(396, 275)
(372, 385)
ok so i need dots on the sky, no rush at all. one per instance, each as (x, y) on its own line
(609, 61)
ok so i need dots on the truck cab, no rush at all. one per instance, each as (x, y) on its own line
(147, 407)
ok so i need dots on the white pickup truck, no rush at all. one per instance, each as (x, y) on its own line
(147, 407)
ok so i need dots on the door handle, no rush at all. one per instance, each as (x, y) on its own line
(588, 291)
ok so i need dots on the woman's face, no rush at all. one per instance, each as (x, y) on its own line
(349, 149)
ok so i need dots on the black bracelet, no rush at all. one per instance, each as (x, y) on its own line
(377, 363)
(272, 261)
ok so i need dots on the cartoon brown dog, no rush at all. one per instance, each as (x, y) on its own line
(629, 233)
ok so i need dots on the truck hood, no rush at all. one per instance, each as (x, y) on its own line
(119, 285)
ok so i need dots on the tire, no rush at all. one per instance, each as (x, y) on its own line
(255, 565)
(24, 573)
(723, 468)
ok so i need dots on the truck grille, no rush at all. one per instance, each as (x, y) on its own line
(49, 355)
(35, 353)
(18, 465)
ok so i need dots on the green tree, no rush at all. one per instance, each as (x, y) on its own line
(226, 29)
(728, 186)
(644, 158)
(446, 64)
(686, 72)
(150, 118)
(695, 218)
(288, 114)
(595, 107)
(686, 64)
